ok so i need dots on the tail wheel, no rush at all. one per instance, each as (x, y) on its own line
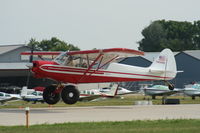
(50, 96)
(70, 94)
(171, 87)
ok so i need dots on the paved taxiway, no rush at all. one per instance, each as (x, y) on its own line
(100, 113)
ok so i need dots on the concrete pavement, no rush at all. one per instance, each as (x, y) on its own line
(100, 113)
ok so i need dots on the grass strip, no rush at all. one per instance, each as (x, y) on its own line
(146, 126)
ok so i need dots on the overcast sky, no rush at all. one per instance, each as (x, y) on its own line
(88, 24)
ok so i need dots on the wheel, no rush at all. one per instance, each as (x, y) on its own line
(171, 87)
(70, 94)
(49, 96)
(193, 97)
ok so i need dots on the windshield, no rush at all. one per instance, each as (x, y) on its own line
(61, 58)
(196, 86)
(69, 60)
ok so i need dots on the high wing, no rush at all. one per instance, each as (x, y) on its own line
(88, 98)
(168, 93)
(41, 54)
(3, 101)
(106, 54)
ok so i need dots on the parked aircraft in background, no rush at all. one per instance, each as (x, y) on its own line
(160, 90)
(31, 95)
(5, 97)
(120, 90)
(96, 66)
(192, 90)
(88, 95)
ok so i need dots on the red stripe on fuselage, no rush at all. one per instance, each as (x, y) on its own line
(68, 69)
(73, 78)
(82, 70)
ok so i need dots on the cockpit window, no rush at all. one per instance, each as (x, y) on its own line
(61, 58)
(196, 86)
(7, 95)
(34, 93)
(1, 94)
(40, 94)
(68, 60)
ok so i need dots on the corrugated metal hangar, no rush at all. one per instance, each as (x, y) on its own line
(13, 69)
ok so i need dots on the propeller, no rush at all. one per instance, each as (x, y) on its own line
(30, 65)
(31, 56)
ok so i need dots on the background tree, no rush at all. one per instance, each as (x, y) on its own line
(175, 35)
(154, 37)
(196, 36)
(53, 44)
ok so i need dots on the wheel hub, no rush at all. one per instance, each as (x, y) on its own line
(71, 94)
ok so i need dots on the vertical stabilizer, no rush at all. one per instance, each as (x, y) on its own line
(165, 63)
(113, 91)
(24, 91)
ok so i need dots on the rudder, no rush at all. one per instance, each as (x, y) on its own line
(165, 63)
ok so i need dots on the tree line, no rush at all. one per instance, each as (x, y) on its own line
(178, 36)
(54, 44)
(160, 34)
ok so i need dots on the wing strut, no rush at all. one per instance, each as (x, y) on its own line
(90, 66)
(108, 61)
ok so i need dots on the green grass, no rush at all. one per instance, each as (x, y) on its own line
(127, 100)
(157, 126)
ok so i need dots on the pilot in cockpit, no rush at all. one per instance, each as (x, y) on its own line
(69, 61)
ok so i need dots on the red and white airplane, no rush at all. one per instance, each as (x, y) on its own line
(96, 66)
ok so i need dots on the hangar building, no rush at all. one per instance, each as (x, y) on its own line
(13, 69)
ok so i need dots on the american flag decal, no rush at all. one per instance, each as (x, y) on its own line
(161, 59)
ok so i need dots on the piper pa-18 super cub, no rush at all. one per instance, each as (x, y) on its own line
(96, 66)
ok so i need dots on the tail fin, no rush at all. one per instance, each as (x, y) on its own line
(164, 64)
(113, 91)
(24, 91)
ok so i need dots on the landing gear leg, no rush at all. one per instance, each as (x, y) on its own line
(164, 99)
(193, 97)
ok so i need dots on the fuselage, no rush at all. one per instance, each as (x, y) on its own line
(115, 72)
(6, 96)
(194, 90)
(79, 67)
(157, 90)
(161, 90)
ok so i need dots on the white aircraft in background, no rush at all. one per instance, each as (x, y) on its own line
(31, 95)
(160, 90)
(192, 90)
(120, 90)
(93, 94)
(107, 92)
(5, 97)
